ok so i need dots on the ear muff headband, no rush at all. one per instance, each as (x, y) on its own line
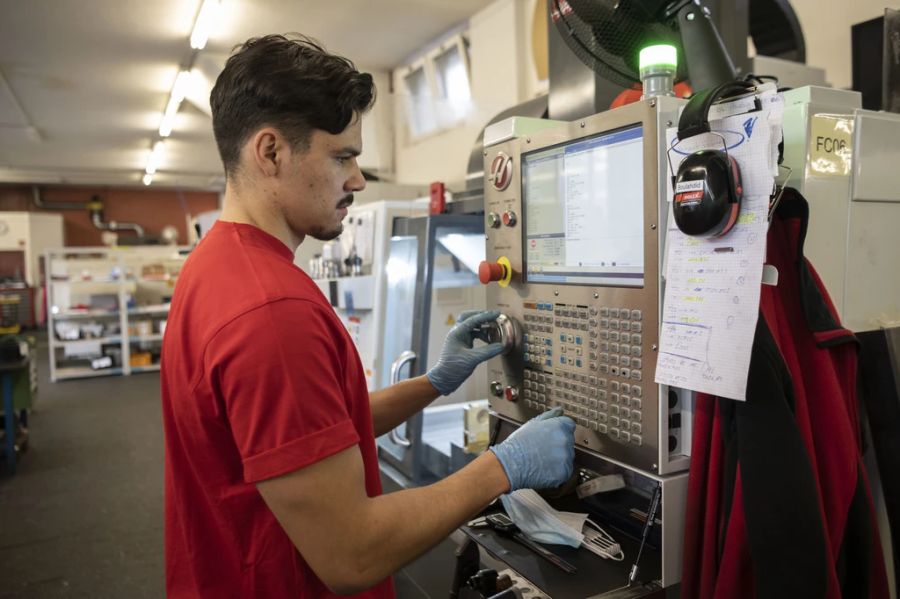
(695, 116)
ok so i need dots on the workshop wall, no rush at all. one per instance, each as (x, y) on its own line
(502, 74)
(152, 209)
(827, 33)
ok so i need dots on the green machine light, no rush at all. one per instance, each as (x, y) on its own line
(658, 55)
(658, 66)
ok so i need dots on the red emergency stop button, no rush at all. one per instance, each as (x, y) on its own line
(511, 394)
(509, 218)
(491, 271)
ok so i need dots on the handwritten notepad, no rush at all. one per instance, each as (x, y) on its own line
(711, 302)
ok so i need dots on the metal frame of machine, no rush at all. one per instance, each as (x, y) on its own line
(548, 311)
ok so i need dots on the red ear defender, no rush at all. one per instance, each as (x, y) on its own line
(708, 187)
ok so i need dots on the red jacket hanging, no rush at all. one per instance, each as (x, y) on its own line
(778, 499)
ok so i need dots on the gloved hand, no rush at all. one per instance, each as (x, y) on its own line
(540, 454)
(458, 357)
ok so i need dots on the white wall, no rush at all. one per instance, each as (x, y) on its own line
(378, 127)
(826, 27)
(501, 77)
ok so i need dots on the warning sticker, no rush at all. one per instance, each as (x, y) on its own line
(684, 186)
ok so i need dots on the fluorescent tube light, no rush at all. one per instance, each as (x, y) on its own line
(203, 25)
(155, 157)
(179, 91)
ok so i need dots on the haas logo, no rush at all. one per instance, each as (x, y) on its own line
(501, 171)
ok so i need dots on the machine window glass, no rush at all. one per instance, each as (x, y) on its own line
(584, 211)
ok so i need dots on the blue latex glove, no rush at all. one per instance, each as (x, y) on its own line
(540, 454)
(459, 357)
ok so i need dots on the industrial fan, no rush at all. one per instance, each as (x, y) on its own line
(607, 36)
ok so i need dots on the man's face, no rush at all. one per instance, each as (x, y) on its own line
(320, 181)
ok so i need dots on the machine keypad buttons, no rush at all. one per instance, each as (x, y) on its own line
(579, 386)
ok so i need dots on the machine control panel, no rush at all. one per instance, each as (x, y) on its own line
(577, 265)
(588, 361)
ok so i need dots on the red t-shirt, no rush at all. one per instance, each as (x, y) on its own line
(259, 378)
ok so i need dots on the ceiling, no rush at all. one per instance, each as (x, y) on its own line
(83, 84)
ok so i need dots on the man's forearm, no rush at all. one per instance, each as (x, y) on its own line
(403, 525)
(395, 404)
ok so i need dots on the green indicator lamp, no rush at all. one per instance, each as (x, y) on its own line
(658, 65)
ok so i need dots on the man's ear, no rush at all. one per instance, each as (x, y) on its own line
(267, 148)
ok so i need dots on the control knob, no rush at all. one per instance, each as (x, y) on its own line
(503, 330)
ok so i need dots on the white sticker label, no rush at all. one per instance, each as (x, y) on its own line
(685, 186)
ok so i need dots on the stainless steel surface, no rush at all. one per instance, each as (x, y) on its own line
(397, 365)
(505, 331)
(588, 308)
(436, 263)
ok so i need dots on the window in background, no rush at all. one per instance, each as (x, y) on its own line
(422, 118)
(452, 74)
(438, 93)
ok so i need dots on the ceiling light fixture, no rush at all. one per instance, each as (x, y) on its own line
(147, 178)
(206, 18)
(179, 91)
(155, 156)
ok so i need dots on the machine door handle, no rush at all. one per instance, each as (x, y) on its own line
(396, 367)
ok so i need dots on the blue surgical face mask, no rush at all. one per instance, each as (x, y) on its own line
(542, 523)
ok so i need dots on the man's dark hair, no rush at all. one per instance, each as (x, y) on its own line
(290, 83)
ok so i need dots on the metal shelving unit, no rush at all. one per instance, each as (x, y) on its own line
(107, 308)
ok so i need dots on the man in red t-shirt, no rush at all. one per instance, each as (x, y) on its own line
(272, 483)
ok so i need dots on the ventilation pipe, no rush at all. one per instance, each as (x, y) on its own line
(95, 208)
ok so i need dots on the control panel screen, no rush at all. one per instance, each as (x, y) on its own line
(584, 211)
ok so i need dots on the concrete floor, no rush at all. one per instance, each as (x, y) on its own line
(82, 517)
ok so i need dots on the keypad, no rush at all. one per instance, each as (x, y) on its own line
(598, 386)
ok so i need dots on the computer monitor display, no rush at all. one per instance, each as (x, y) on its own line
(584, 211)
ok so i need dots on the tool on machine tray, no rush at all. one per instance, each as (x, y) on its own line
(506, 527)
